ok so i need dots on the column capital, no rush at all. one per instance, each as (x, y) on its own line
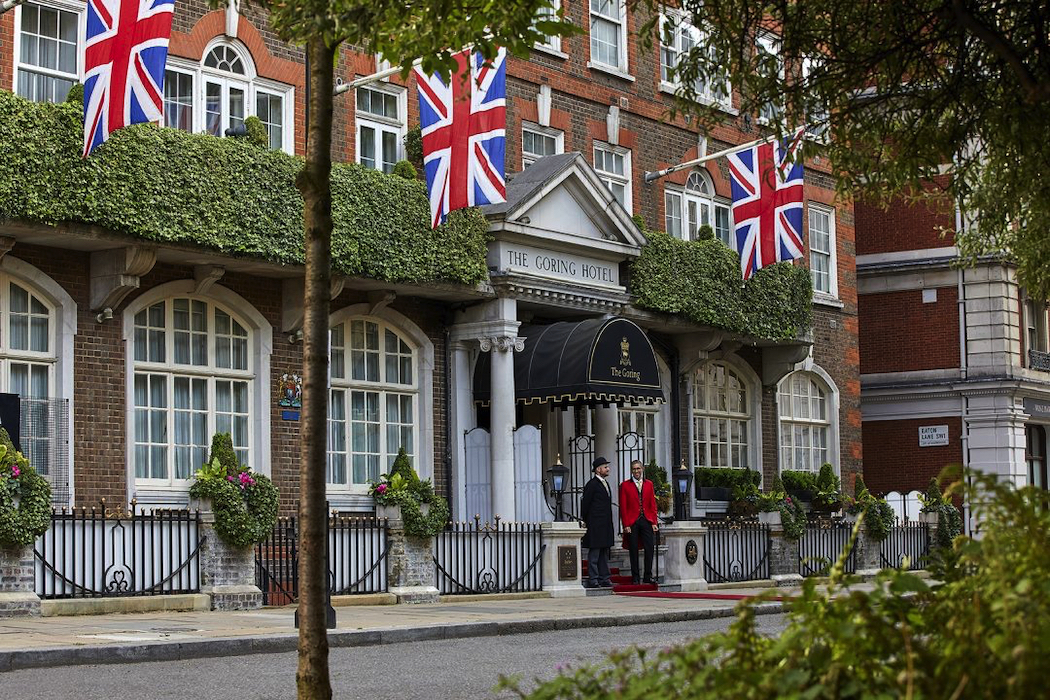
(502, 343)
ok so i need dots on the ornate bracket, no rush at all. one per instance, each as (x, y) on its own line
(6, 244)
(233, 18)
(502, 343)
(292, 298)
(116, 273)
(206, 276)
(380, 299)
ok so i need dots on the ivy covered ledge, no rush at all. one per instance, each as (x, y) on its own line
(229, 197)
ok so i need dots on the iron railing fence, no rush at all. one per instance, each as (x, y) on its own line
(822, 544)
(110, 552)
(909, 543)
(736, 549)
(477, 557)
(356, 550)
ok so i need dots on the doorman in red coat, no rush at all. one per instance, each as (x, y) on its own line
(638, 516)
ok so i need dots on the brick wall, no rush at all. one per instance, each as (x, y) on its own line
(7, 51)
(902, 226)
(893, 325)
(894, 461)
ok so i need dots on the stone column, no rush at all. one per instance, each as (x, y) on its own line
(227, 573)
(606, 428)
(502, 422)
(461, 414)
(783, 557)
(18, 596)
(683, 564)
(868, 556)
(410, 565)
(562, 540)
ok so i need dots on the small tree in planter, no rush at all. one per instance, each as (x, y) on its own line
(403, 488)
(661, 486)
(801, 486)
(25, 498)
(828, 496)
(244, 502)
(878, 514)
(940, 508)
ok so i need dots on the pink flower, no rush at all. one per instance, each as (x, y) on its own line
(246, 480)
(15, 471)
(381, 489)
(231, 477)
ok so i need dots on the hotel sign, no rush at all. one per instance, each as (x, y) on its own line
(1037, 408)
(565, 267)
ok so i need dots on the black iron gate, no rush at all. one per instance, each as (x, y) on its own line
(581, 454)
(736, 550)
(277, 563)
(478, 557)
(907, 542)
(822, 544)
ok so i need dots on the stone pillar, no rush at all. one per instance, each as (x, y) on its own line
(606, 428)
(18, 596)
(562, 540)
(995, 426)
(783, 557)
(502, 422)
(683, 564)
(461, 414)
(410, 565)
(868, 556)
(227, 573)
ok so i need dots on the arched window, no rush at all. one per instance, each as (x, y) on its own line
(721, 418)
(192, 377)
(685, 211)
(805, 422)
(374, 407)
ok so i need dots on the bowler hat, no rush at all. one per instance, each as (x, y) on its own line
(599, 462)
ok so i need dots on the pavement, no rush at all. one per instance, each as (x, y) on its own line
(39, 642)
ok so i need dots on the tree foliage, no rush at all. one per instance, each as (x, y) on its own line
(982, 632)
(906, 92)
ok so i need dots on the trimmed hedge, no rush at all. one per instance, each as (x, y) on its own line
(701, 280)
(725, 477)
(227, 195)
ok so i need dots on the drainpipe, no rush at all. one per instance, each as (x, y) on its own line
(962, 305)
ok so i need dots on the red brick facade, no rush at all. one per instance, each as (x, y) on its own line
(893, 460)
(894, 325)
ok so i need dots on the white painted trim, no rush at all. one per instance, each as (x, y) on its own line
(919, 255)
(261, 348)
(832, 294)
(69, 6)
(834, 422)
(424, 374)
(64, 333)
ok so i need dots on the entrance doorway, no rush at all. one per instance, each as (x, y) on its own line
(1035, 455)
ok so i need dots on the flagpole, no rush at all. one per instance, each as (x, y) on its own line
(653, 176)
(359, 82)
(9, 5)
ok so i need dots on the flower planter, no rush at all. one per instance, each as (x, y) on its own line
(393, 512)
(769, 518)
(801, 495)
(929, 518)
(826, 508)
(742, 509)
(713, 493)
(849, 517)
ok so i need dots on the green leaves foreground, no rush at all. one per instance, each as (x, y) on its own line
(982, 633)
(226, 195)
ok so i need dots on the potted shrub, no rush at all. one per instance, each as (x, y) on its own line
(769, 503)
(25, 498)
(828, 496)
(745, 500)
(402, 495)
(661, 486)
(800, 485)
(938, 509)
(717, 483)
(244, 502)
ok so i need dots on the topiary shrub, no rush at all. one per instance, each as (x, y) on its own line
(25, 498)
(405, 169)
(795, 481)
(705, 233)
(245, 503)
(403, 487)
(257, 132)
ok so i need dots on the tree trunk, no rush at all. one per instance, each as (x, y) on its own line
(311, 678)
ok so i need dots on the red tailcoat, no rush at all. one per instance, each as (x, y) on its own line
(629, 502)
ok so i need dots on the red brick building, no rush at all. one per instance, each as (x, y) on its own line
(792, 404)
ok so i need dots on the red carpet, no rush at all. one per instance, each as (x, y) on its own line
(697, 595)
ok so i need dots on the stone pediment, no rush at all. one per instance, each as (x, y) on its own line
(561, 200)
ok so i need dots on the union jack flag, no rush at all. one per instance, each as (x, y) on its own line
(464, 125)
(767, 203)
(124, 53)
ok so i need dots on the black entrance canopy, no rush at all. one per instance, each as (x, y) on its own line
(588, 362)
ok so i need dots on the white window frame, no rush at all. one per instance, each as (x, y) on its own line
(528, 159)
(681, 26)
(380, 124)
(815, 132)
(260, 334)
(608, 177)
(770, 43)
(551, 44)
(250, 82)
(629, 419)
(818, 378)
(1035, 324)
(621, 67)
(692, 199)
(701, 416)
(832, 292)
(62, 314)
(79, 9)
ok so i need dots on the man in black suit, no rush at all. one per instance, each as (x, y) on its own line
(596, 511)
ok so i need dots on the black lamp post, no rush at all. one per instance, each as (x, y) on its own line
(558, 472)
(683, 477)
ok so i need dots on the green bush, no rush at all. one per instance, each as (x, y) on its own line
(224, 195)
(828, 488)
(701, 280)
(405, 169)
(949, 519)
(799, 480)
(982, 633)
(403, 487)
(257, 135)
(720, 477)
(656, 474)
(25, 498)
